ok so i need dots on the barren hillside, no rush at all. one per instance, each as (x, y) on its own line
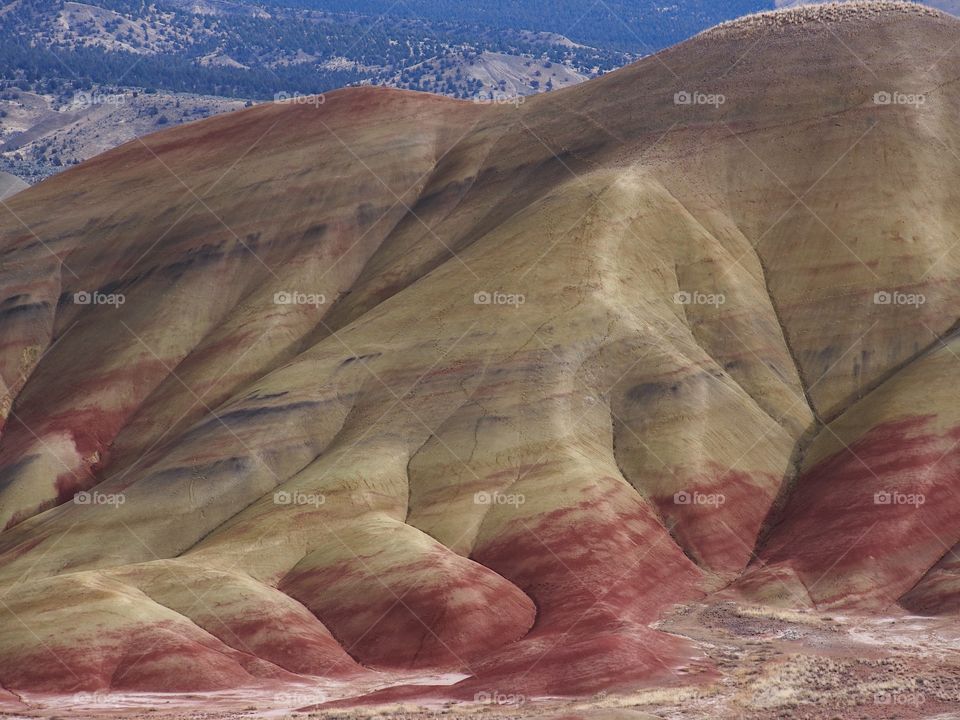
(401, 398)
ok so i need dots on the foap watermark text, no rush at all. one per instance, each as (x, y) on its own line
(495, 697)
(498, 498)
(484, 297)
(294, 297)
(84, 297)
(895, 297)
(685, 497)
(885, 97)
(296, 497)
(893, 497)
(300, 99)
(699, 298)
(696, 97)
(95, 497)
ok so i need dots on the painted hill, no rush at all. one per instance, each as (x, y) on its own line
(395, 385)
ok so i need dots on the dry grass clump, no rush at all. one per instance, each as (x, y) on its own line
(767, 612)
(817, 681)
(802, 680)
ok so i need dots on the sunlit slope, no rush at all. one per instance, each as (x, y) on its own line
(395, 382)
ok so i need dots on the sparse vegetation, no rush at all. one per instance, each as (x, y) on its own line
(62, 47)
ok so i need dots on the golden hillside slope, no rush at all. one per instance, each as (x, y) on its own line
(396, 383)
